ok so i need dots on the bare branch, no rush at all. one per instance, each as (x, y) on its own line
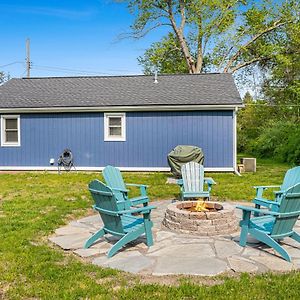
(247, 63)
(182, 13)
(159, 7)
(275, 25)
(141, 33)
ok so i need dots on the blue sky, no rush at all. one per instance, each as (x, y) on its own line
(81, 35)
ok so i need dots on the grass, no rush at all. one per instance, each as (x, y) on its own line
(229, 186)
(33, 205)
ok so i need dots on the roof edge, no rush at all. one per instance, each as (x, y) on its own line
(118, 76)
(122, 108)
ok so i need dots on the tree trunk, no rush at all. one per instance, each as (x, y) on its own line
(186, 52)
(180, 35)
(199, 62)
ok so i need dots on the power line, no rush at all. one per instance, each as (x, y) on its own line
(62, 69)
(13, 63)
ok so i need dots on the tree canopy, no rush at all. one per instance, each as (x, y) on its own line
(2, 77)
(215, 35)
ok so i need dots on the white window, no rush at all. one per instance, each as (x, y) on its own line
(115, 127)
(10, 130)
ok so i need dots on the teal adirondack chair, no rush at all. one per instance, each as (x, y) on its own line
(114, 180)
(273, 226)
(118, 222)
(291, 178)
(193, 182)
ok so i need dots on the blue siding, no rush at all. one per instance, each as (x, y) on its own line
(149, 138)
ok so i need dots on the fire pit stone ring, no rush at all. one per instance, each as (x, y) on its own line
(220, 220)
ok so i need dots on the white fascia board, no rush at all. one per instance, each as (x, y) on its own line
(120, 108)
(96, 169)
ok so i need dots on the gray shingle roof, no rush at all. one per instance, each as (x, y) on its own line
(201, 89)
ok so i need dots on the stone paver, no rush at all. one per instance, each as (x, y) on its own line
(67, 230)
(132, 261)
(87, 252)
(241, 264)
(176, 253)
(251, 251)
(162, 235)
(274, 263)
(70, 241)
(227, 248)
(192, 265)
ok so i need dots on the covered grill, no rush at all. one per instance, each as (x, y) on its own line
(183, 154)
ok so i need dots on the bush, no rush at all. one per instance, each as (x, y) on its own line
(250, 120)
(280, 140)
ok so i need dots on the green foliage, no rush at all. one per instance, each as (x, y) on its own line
(165, 57)
(270, 128)
(2, 77)
(250, 119)
(282, 86)
(229, 35)
(264, 132)
(280, 140)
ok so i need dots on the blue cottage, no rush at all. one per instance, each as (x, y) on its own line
(132, 122)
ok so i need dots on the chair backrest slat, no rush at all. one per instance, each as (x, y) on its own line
(291, 178)
(290, 203)
(114, 179)
(104, 198)
(193, 177)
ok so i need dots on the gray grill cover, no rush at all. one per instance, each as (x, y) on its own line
(181, 155)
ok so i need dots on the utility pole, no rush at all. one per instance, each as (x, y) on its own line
(28, 62)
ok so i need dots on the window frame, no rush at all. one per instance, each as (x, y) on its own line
(107, 136)
(3, 131)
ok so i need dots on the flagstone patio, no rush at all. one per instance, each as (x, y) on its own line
(175, 253)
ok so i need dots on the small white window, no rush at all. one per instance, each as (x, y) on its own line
(115, 127)
(10, 130)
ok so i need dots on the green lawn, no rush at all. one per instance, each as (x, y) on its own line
(33, 205)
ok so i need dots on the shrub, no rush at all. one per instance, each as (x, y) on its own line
(279, 140)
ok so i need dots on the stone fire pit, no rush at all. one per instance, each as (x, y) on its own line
(220, 219)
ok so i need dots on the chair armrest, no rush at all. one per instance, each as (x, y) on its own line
(277, 193)
(265, 186)
(260, 189)
(139, 200)
(290, 214)
(143, 210)
(100, 192)
(256, 210)
(136, 184)
(179, 181)
(143, 188)
(105, 211)
(265, 202)
(120, 190)
(209, 180)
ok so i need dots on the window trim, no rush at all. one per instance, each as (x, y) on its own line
(107, 137)
(10, 144)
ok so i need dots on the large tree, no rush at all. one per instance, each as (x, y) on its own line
(282, 85)
(164, 56)
(228, 34)
(2, 77)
